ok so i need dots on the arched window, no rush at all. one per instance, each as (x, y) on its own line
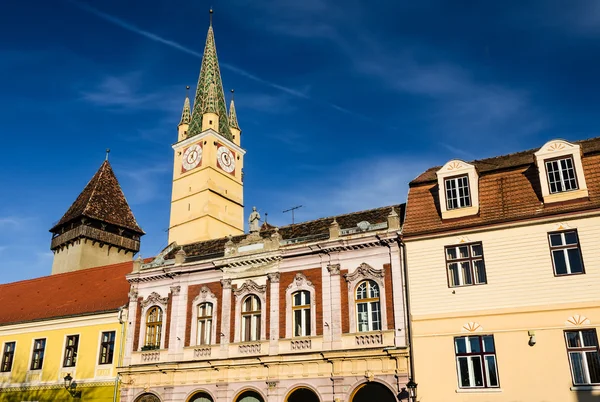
(205, 319)
(368, 308)
(301, 313)
(153, 327)
(250, 319)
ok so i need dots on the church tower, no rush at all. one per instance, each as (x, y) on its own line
(207, 201)
(98, 229)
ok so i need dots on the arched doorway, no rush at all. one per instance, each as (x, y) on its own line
(249, 396)
(302, 395)
(200, 397)
(147, 398)
(373, 391)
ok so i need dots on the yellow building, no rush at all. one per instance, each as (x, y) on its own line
(504, 272)
(72, 324)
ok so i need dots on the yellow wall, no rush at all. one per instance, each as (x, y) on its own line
(86, 254)
(87, 372)
(206, 202)
(522, 295)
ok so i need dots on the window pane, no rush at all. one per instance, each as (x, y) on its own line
(461, 345)
(466, 273)
(575, 260)
(361, 291)
(589, 338)
(297, 299)
(474, 344)
(570, 237)
(488, 344)
(556, 239)
(454, 279)
(479, 272)
(477, 250)
(593, 362)
(490, 362)
(560, 265)
(451, 253)
(477, 370)
(375, 316)
(577, 367)
(573, 339)
(463, 372)
(306, 297)
(257, 333)
(307, 321)
(463, 252)
(298, 323)
(363, 317)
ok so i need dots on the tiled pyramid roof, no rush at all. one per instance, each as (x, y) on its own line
(102, 199)
(88, 291)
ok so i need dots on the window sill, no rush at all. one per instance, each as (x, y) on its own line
(566, 196)
(477, 390)
(460, 212)
(577, 388)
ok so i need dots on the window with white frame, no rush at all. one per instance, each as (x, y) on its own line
(582, 347)
(368, 306)
(205, 323)
(301, 313)
(71, 346)
(7, 357)
(107, 347)
(153, 327)
(566, 254)
(561, 175)
(457, 192)
(250, 319)
(465, 265)
(476, 361)
(37, 357)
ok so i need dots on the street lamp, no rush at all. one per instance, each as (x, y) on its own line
(412, 390)
(70, 386)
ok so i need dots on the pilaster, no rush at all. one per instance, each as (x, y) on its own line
(398, 295)
(177, 326)
(131, 320)
(336, 306)
(226, 313)
(274, 316)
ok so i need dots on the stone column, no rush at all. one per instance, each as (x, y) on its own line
(274, 316)
(130, 327)
(177, 325)
(397, 296)
(225, 313)
(336, 306)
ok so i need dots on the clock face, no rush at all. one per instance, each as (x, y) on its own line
(226, 159)
(191, 157)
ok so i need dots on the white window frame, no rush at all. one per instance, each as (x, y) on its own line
(457, 186)
(32, 351)
(102, 365)
(561, 174)
(154, 299)
(582, 350)
(12, 364)
(369, 302)
(453, 170)
(204, 296)
(255, 314)
(247, 288)
(64, 352)
(362, 272)
(300, 283)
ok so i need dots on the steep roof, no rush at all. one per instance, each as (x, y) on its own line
(509, 190)
(102, 199)
(312, 230)
(210, 97)
(89, 291)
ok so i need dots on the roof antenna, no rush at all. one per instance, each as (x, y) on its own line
(292, 209)
(107, 152)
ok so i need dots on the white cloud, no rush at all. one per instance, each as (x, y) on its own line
(143, 184)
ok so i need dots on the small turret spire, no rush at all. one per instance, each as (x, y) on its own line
(210, 97)
(107, 152)
(233, 122)
(210, 18)
(186, 113)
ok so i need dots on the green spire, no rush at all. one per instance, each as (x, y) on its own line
(186, 113)
(209, 92)
(233, 123)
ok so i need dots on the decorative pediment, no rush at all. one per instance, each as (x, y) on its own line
(364, 270)
(299, 281)
(556, 146)
(562, 226)
(249, 287)
(456, 165)
(154, 298)
(577, 320)
(462, 240)
(472, 327)
(204, 294)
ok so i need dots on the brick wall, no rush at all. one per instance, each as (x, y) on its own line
(167, 324)
(232, 316)
(314, 275)
(344, 298)
(268, 311)
(389, 297)
(138, 321)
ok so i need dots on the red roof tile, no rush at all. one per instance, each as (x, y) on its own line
(509, 190)
(88, 291)
(102, 199)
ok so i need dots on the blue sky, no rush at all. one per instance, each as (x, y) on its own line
(339, 106)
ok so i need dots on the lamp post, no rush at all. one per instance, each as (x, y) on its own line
(412, 390)
(70, 386)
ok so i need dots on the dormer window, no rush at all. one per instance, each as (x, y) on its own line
(457, 192)
(561, 175)
(458, 185)
(561, 171)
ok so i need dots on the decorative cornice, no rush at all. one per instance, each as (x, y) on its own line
(364, 270)
(249, 287)
(154, 298)
(300, 280)
(273, 277)
(226, 283)
(175, 290)
(334, 269)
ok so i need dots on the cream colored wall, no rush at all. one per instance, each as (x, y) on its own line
(522, 294)
(86, 254)
(206, 202)
(518, 267)
(55, 332)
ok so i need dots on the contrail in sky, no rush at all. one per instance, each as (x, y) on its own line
(149, 35)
